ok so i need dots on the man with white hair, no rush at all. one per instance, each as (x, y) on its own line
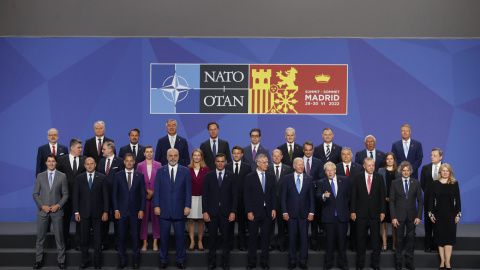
(51, 147)
(93, 146)
(172, 140)
(290, 149)
(370, 151)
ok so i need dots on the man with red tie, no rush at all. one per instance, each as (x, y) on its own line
(93, 146)
(51, 147)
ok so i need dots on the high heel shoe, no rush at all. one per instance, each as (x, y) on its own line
(200, 249)
(190, 248)
(384, 248)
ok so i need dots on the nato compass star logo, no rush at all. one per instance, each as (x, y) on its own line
(175, 88)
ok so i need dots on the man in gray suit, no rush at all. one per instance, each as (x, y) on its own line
(405, 194)
(255, 148)
(50, 193)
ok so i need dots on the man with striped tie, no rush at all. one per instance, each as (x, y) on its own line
(328, 151)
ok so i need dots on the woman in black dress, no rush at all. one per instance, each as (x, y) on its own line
(389, 173)
(445, 211)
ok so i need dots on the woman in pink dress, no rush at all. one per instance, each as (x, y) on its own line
(149, 169)
(198, 169)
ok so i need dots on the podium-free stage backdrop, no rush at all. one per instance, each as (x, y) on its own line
(69, 83)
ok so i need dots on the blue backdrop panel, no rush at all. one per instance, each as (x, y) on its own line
(69, 83)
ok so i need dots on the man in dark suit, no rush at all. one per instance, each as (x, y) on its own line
(335, 192)
(50, 193)
(255, 148)
(260, 201)
(90, 205)
(241, 170)
(219, 205)
(290, 149)
(93, 146)
(298, 208)
(408, 149)
(405, 195)
(128, 199)
(172, 140)
(172, 200)
(367, 208)
(71, 165)
(314, 169)
(428, 174)
(134, 147)
(328, 151)
(51, 147)
(213, 146)
(109, 166)
(370, 151)
(279, 170)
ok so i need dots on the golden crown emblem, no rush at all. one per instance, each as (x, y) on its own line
(322, 78)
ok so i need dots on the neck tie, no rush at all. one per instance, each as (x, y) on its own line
(99, 147)
(214, 148)
(347, 172)
(134, 152)
(129, 181)
(263, 182)
(369, 183)
(74, 169)
(254, 153)
(172, 142)
(327, 155)
(435, 174)
(108, 167)
(172, 177)
(277, 174)
(405, 149)
(50, 180)
(334, 193)
(90, 181)
(299, 188)
(308, 166)
(290, 153)
(371, 154)
(236, 168)
(406, 188)
(53, 149)
(219, 179)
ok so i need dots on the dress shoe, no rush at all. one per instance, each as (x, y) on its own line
(264, 266)
(410, 267)
(62, 266)
(122, 265)
(327, 268)
(251, 266)
(359, 268)
(98, 266)
(116, 247)
(292, 266)
(84, 266)
(375, 267)
(104, 247)
(398, 267)
(282, 249)
(181, 265)
(271, 248)
(136, 265)
(303, 266)
(77, 248)
(322, 232)
(212, 266)
(225, 266)
(241, 248)
(163, 266)
(37, 265)
(345, 267)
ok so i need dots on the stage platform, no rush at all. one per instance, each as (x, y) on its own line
(17, 251)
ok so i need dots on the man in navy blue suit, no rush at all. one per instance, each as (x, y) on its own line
(133, 147)
(213, 146)
(172, 140)
(109, 166)
(408, 149)
(335, 192)
(298, 208)
(254, 149)
(328, 151)
(172, 200)
(219, 205)
(128, 199)
(260, 195)
(51, 147)
(93, 146)
(90, 205)
(370, 151)
(290, 149)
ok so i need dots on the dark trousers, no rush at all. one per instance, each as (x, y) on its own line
(407, 243)
(316, 224)
(242, 221)
(298, 230)
(279, 239)
(106, 229)
(178, 229)
(95, 224)
(429, 242)
(67, 219)
(353, 234)
(362, 230)
(263, 222)
(219, 222)
(123, 225)
(336, 232)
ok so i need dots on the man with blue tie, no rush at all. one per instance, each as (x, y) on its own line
(172, 200)
(51, 147)
(172, 140)
(335, 192)
(214, 146)
(260, 195)
(251, 151)
(219, 205)
(128, 199)
(370, 151)
(133, 147)
(408, 149)
(298, 208)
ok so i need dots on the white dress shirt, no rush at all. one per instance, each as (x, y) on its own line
(136, 148)
(172, 139)
(366, 179)
(51, 148)
(175, 168)
(70, 156)
(102, 141)
(131, 174)
(330, 145)
(373, 153)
